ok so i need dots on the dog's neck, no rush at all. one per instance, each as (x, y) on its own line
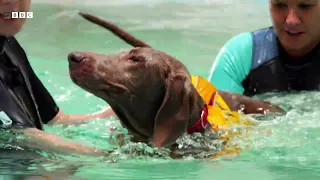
(196, 110)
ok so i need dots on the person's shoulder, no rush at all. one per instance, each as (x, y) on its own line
(16, 47)
(244, 39)
(236, 49)
(243, 35)
(13, 41)
(232, 63)
(239, 40)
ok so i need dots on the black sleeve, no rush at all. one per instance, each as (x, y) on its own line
(47, 107)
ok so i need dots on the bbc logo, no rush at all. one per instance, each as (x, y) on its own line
(23, 15)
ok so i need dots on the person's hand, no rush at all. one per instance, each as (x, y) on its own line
(41, 140)
(105, 113)
(62, 118)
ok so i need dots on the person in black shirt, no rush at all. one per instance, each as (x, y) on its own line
(25, 103)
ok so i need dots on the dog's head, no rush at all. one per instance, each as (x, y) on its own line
(150, 91)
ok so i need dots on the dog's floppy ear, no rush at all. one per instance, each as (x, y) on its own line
(172, 118)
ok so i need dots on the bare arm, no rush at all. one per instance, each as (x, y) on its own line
(34, 138)
(62, 118)
(249, 105)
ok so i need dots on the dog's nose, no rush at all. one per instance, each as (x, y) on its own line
(75, 57)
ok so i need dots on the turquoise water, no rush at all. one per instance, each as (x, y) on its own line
(193, 32)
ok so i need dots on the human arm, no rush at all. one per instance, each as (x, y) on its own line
(32, 137)
(41, 140)
(62, 118)
(16, 121)
(248, 105)
(232, 64)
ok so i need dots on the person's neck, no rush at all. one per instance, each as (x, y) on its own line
(298, 54)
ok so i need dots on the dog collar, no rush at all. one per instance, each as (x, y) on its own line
(202, 123)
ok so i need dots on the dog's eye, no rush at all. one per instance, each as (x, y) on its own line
(136, 59)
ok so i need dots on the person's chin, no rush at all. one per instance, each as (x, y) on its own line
(11, 31)
(293, 42)
(295, 48)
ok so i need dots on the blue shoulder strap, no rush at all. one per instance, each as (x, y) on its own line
(265, 46)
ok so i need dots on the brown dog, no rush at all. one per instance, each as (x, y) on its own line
(150, 91)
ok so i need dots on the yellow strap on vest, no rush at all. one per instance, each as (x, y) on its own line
(220, 117)
(219, 113)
